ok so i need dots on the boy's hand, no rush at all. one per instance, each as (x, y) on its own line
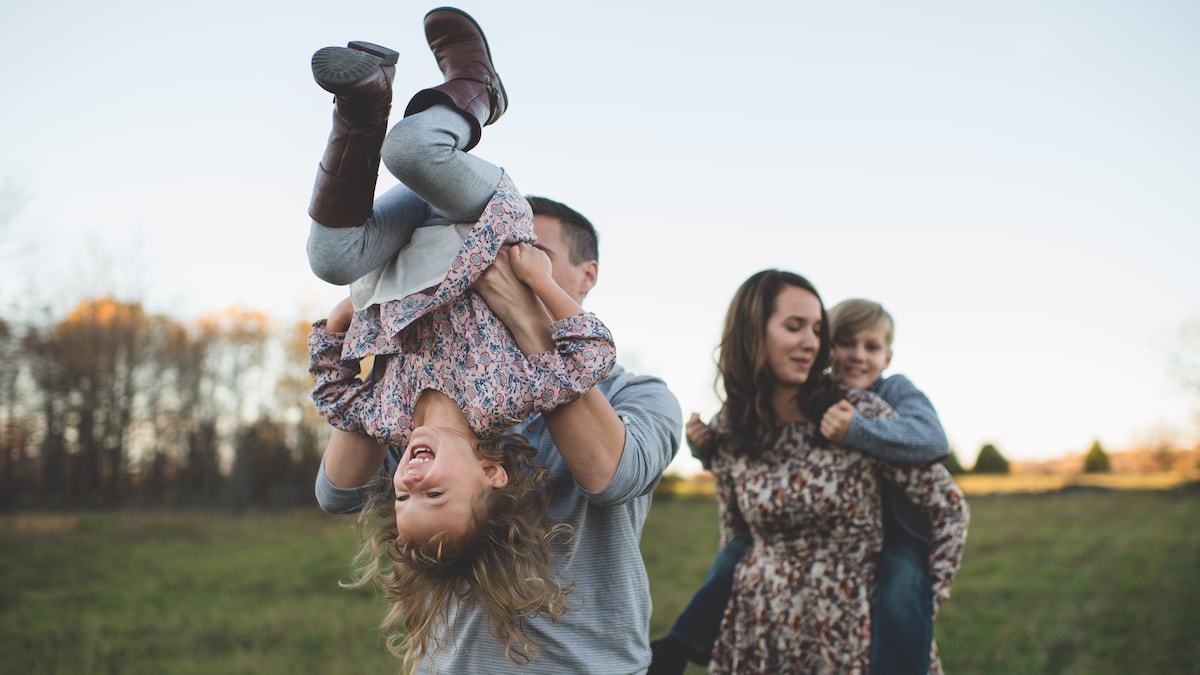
(339, 317)
(836, 422)
(698, 433)
(529, 263)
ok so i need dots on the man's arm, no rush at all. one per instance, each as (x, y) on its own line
(588, 433)
(915, 437)
(352, 460)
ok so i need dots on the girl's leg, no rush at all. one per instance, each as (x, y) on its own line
(425, 152)
(352, 234)
(360, 76)
(340, 255)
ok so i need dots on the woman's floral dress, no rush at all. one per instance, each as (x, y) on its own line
(801, 599)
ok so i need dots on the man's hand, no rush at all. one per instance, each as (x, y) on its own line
(503, 290)
(836, 422)
(515, 303)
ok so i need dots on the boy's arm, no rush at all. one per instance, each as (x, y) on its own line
(915, 437)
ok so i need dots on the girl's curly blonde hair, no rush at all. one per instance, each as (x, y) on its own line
(504, 562)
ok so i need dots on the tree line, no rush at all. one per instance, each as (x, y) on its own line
(114, 406)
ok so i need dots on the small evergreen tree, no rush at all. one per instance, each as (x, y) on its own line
(1096, 460)
(952, 464)
(990, 461)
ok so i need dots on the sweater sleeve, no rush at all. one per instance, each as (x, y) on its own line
(342, 399)
(914, 437)
(653, 422)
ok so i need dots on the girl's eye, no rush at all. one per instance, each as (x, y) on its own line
(433, 495)
(401, 498)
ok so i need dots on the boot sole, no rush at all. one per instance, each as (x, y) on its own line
(335, 68)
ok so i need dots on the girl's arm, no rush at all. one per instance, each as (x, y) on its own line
(532, 267)
(342, 399)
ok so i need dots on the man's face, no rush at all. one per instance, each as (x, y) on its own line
(576, 280)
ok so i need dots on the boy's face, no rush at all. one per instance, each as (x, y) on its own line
(438, 482)
(860, 359)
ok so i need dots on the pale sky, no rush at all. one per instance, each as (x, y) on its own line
(1016, 182)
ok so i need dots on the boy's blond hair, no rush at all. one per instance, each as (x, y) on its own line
(504, 562)
(851, 317)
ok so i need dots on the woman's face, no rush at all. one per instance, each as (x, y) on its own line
(438, 483)
(793, 336)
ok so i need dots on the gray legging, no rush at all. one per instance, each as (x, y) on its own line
(439, 185)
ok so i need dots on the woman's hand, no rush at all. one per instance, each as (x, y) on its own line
(339, 317)
(836, 422)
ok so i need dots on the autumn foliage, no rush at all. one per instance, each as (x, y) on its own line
(110, 405)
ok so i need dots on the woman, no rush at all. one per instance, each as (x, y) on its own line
(802, 591)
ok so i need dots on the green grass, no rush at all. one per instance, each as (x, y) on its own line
(1076, 582)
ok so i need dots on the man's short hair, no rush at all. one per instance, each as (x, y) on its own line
(578, 231)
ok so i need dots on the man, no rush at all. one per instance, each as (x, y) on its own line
(606, 452)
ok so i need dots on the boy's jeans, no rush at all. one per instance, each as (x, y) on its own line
(901, 619)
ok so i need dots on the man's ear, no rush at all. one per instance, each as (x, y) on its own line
(590, 270)
(496, 475)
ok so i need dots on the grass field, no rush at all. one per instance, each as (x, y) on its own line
(1081, 581)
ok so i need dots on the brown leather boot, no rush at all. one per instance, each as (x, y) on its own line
(472, 85)
(360, 77)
